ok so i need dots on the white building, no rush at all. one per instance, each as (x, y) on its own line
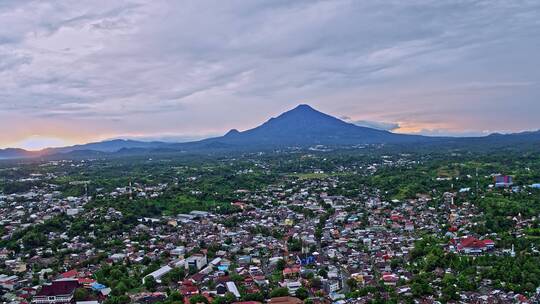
(231, 287)
(196, 261)
(159, 273)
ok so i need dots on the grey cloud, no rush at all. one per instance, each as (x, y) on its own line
(387, 126)
(181, 60)
(12, 61)
(379, 125)
(453, 133)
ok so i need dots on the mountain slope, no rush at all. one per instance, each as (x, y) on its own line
(302, 126)
(107, 146)
(13, 153)
(305, 126)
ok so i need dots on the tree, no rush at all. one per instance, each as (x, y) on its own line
(175, 275)
(175, 296)
(315, 283)
(120, 289)
(198, 299)
(352, 283)
(229, 297)
(219, 300)
(81, 294)
(281, 264)
(258, 296)
(420, 288)
(302, 293)
(123, 299)
(116, 274)
(150, 283)
(294, 245)
(279, 292)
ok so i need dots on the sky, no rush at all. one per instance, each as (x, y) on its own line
(81, 71)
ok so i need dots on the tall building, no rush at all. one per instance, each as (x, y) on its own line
(503, 181)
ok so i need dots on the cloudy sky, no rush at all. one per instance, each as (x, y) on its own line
(78, 71)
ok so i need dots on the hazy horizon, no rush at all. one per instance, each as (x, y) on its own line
(77, 72)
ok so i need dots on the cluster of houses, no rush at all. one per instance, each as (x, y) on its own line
(293, 235)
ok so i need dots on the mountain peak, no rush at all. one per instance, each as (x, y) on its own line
(232, 132)
(304, 107)
(305, 126)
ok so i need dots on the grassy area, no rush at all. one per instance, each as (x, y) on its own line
(308, 176)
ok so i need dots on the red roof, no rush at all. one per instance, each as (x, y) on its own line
(86, 281)
(390, 277)
(70, 274)
(489, 242)
(521, 298)
(189, 290)
(396, 217)
(472, 242)
(285, 300)
(58, 288)
(198, 277)
(290, 270)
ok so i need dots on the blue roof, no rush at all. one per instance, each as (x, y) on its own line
(97, 286)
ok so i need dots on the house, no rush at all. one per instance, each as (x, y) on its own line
(60, 291)
(151, 298)
(178, 251)
(159, 273)
(199, 214)
(409, 226)
(244, 260)
(196, 261)
(117, 257)
(472, 245)
(331, 286)
(69, 274)
(9, 282)
(293, 286)
(390, 279)
(291, 272)
(285, 300)
(231, 287)
(503, 181)
(221, 289)
(490, 244)
(188, 289)
(86, 282)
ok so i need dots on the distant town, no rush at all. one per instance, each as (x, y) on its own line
(304, 226)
